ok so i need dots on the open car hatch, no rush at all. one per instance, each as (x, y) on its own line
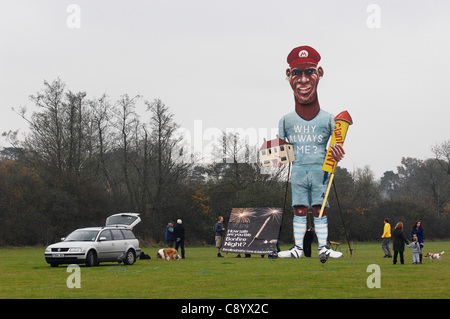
(123, 219)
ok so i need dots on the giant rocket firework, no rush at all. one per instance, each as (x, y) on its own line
(343, 121)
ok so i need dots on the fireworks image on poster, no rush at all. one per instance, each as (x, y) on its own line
(241, 215)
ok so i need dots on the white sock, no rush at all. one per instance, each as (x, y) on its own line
(299, 230)
(321, 227)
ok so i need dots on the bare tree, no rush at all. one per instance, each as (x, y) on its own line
(442, 154)
(46, 138)
(167, 168)
(126, 122)
(103, 139)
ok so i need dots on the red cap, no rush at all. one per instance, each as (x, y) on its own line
(303, 54)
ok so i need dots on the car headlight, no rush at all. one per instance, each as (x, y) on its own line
(47, 250)
(76, 250)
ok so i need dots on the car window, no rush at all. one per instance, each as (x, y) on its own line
(82, 235)
(128, 234)
(106, 233)
(120, 220)
(117, 234)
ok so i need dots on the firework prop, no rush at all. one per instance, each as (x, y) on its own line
(343, 121)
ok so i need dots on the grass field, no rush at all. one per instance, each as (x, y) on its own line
(25, 274)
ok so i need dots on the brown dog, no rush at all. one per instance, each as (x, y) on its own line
(168, 254)
(434, 256)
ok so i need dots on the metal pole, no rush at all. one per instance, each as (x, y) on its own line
(326, 195)
(342, 218)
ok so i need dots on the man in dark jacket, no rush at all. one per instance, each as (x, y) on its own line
(178, 232)
(307, 241)
(219, 235)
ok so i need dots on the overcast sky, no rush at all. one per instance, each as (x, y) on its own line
(223, 63)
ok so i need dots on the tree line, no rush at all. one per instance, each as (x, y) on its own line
(85, 159)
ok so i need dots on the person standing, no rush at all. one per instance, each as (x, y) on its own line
(179, 233)
(170, 238)
(386, 245)
(307, 241)
(415, 250)
(219, 235)
(398, 242)
(418, 231)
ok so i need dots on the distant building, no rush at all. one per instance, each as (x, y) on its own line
(276, 150)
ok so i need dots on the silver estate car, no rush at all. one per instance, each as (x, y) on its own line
(115, 242)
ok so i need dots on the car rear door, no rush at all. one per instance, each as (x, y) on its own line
(128, 220)
(119, 246)
(131, 241)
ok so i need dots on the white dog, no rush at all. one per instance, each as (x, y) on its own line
(435, 256)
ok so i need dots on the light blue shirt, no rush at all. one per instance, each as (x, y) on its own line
(309, 138)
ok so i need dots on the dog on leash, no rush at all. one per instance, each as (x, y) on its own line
(168, 254)
(434, 256)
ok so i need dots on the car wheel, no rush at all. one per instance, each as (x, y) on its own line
(91, 259)
(130, 258)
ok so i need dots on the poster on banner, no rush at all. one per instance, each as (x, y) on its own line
(253, 230)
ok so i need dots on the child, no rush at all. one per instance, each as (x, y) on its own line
(415, 250)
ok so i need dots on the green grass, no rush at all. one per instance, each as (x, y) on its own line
(25, 274)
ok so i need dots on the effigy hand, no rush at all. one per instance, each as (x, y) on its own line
(337, 151)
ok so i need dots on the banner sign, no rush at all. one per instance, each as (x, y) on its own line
(253, 230)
